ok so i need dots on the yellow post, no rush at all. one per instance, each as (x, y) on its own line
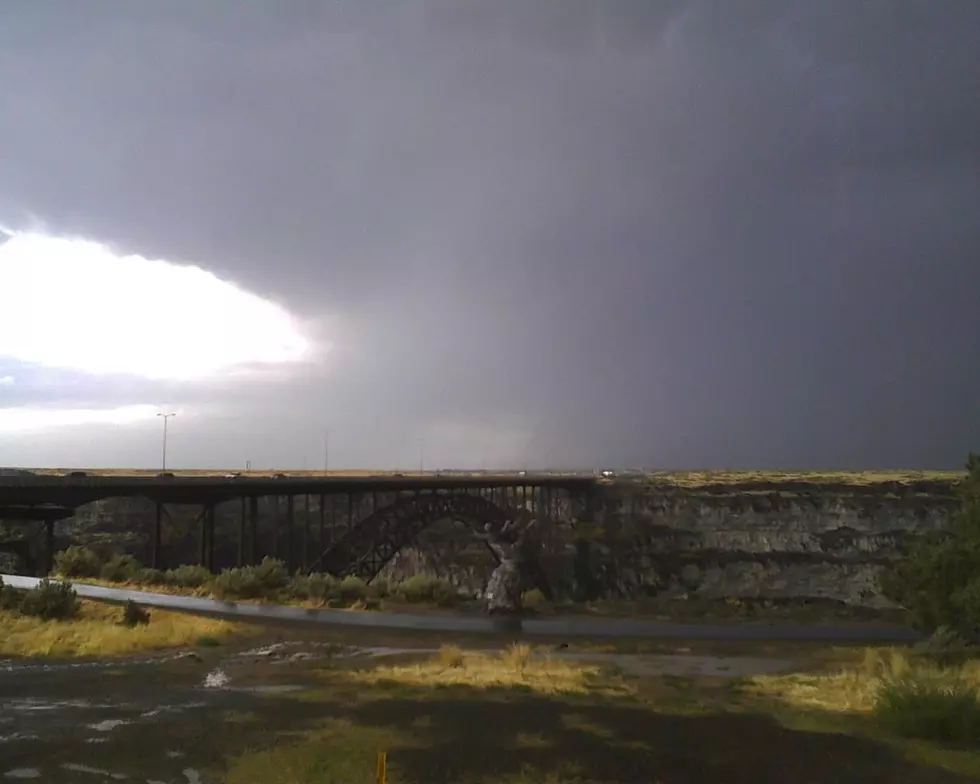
(382, 767)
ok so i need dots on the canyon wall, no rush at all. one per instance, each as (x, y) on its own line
(755, 540)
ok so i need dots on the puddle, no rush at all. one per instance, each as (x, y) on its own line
(108, 725)
(98, 716)
(95, 771)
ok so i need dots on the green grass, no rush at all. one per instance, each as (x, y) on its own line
(464, 717)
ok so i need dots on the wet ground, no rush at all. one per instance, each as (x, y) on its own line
(175, 719)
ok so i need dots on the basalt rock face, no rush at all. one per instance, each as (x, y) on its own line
(645, 539)
(779, 542)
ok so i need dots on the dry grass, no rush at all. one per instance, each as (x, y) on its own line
(517, 667)
(98, 632)
(856, 478)
(852, 688)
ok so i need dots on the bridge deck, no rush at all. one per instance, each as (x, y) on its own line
(76, 490)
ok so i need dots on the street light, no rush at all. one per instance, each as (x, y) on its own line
(165, 418)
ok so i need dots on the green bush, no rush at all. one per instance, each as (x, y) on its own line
(150, 577)
(121, 569)
(78, 562)
(251, 582)
(938, 581)
(946, 648)
(237, 584)
(937, 707)
(271, 573)
(379, 588)
(352, 589)
(51, 601)
(317, 587)
(10, 597)
(426, 589)
(187, 576)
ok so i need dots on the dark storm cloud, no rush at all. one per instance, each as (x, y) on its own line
(678, 233)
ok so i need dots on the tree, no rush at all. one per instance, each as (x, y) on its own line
(938, 581)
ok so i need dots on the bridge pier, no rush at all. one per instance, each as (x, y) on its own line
(242, 517)
(155, 545)
(290, 526)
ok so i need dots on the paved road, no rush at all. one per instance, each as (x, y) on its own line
(552, 627)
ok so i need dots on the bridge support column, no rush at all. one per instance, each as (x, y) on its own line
(155, 542)
(211, 526)
(206, 555)
(321, 544)
(253, 524)
(290, 525)
(306, 532)
(48, 562)
(240, 560)
(275, 526)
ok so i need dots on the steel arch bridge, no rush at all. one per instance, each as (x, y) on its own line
(364, 550)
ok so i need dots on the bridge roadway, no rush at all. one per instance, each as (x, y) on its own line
(548, 628)
(68, 492)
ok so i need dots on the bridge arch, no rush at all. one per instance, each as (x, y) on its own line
(365, 549)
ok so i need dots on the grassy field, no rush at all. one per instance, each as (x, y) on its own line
(857, 478)
(98, 632)
(511, 718)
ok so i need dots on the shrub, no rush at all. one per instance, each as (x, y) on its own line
(239, 583)
(379, 588)
(451, 656)
(352, 589)
(938, 581)
(10, 598)
(206, 641)
(946, 647)
(937, 707)
(316, 587)
(426, 589)
(187, 576)
(251, 582)
(51, 601)
(271, 573)
(78, 562)
(149, 576)
(121, 569)
(535, 600)
(134, 615)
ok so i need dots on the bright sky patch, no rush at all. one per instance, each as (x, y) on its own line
(75, 304)
(26, 420)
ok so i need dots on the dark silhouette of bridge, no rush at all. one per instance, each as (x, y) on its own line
(343, 525)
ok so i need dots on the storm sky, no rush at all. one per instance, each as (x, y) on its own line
(553, 233)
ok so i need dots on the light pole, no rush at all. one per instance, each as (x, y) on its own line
(165, 418)
(326, 451)
(421, 455)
